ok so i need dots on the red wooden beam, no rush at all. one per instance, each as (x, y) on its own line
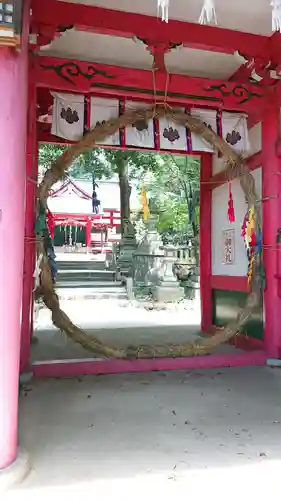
(206, 242)
(234, 283)
(277, 96)
(275, 47)
(57, 14)
(75, 368)
(84, 77)
(99, 220)
(44, 136)
(240, 75)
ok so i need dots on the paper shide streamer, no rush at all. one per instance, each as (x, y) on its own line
(207, 16)
(163, 7)
(208, 13)
(276, 15)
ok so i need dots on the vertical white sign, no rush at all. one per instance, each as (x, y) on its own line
(228, 236)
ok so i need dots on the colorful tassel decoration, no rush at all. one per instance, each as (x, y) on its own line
(244, 226)
(251, 223)
(250, 271)
(231, 214)
(163, 5)
(259, 243)
(276, 15)
(208, 13)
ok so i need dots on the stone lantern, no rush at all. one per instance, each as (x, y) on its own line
(168, 289)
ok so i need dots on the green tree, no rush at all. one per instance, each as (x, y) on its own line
(125, 164)
(175, 188)
(47, 154)
(101, 163)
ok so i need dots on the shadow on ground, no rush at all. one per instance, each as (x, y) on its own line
(151, 430)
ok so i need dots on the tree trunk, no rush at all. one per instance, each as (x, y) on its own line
(193, 223)
(125, 193)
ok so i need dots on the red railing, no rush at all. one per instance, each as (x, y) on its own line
(108, 218)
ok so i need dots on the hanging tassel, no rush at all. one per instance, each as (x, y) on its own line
(164, 6)
(231, 214)
(276, 15)
(253, 242)
(251, 226)
(250, 271)
(259, 243)
(144, 202)
(244, 226)
(208, 13)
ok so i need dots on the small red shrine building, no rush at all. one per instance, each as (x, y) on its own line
(92, 61)
(75, 224)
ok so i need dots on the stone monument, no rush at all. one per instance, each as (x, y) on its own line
(147, 257)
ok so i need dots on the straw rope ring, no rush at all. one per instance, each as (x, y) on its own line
(235, 168)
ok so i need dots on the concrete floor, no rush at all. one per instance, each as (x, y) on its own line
(175, 435)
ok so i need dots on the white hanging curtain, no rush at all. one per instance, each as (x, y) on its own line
(173, 136)
(68, 116)
(235, 131)
(141, 133)
(103, 109)
(209, 117)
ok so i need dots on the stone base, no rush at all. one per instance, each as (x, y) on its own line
(129, 288)
(167, 293)
(14, 473)
(26, 377)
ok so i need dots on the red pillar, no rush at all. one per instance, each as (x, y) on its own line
(206, 242)
(13, 118)
(111, 218)
(101, 239)
(30, 214)
(271, 184)
(88, 231)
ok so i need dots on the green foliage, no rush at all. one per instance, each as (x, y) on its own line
(134, 161)
(170, 188)
(47, 154)
(169, 181)
(102, 163)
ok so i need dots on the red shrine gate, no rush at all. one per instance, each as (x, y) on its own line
(154, 69)
(67, 217)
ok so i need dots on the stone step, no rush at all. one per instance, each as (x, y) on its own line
(85, 275)
(96, 293)
(91, 265)
(94, 285)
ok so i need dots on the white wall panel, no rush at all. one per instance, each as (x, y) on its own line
(220, 223)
